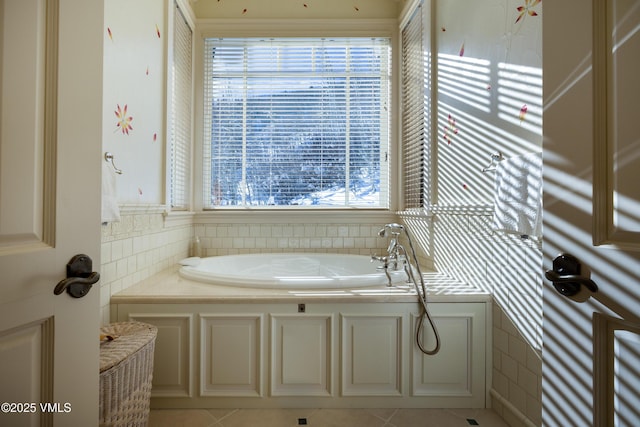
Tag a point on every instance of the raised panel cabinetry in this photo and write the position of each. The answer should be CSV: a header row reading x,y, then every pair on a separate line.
x,y
331,355
371,355
230,348
173,348
301,362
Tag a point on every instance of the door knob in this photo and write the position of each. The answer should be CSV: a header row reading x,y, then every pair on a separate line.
x,y
79,279
566,277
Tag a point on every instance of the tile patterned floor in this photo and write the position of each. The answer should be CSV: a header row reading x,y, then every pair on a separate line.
x,y
324,418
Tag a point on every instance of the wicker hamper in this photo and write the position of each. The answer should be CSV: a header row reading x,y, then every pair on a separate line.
x,y
126,369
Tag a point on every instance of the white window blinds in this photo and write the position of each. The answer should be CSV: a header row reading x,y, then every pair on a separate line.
x,y
181,114
296,121
415,110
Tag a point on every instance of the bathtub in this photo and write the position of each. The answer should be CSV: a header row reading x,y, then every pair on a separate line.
x,y
290,271
228,343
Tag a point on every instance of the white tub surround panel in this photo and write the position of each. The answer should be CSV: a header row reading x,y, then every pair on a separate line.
x,y
267,348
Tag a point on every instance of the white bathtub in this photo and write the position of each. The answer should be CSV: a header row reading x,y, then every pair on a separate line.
x,y
290,346
290,270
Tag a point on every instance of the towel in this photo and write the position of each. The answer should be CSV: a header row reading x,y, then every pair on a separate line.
x,y
110,209
518,195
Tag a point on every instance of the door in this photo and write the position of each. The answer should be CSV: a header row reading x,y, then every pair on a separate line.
x,y
50,143
591,346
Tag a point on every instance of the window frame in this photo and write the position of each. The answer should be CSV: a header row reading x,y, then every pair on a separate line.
x,y
265,54
282,28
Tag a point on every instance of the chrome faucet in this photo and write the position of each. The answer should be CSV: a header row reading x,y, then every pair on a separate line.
x,y
395,251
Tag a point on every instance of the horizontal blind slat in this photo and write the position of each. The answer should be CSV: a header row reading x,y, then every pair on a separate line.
x,y
180,136
286,119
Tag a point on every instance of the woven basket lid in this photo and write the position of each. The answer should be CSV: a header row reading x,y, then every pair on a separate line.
x,y
128,337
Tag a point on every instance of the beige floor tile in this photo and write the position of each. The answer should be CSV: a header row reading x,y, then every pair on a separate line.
x,y
383,413
181,418
379,417
220,414
484,417
266,417
422,417
344,418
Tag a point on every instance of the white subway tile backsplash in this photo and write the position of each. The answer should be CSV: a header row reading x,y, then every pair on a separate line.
x,y
121,268
501,340
464,246
518,349
527,380
108,273
509,368
298,231
241,231
116,250
518,397
135,248
127,248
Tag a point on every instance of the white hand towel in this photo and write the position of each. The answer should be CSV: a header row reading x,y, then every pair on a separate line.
x,y
518,195
110,209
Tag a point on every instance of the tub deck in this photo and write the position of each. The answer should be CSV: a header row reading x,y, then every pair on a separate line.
x,y
168,287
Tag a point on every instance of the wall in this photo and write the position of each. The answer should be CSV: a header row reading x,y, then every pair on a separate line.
x,y
297,9
489,67
225,234
145,241
134,96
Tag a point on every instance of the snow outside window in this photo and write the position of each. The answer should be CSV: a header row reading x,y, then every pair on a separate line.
x,y
296,122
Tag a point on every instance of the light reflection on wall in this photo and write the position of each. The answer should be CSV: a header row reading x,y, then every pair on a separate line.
x,y
479,112
482,109
519,88
465,79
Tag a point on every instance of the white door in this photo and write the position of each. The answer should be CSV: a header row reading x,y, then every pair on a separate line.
x,y
50,143
591,346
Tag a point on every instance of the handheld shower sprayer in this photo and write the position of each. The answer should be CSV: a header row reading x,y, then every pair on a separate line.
x,y
394,230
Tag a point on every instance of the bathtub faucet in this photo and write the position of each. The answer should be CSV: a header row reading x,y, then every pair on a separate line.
x,y
396,257
385,266
394,250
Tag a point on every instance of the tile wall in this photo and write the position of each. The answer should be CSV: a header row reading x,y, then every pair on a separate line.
x,y
142,244
238,238
462,244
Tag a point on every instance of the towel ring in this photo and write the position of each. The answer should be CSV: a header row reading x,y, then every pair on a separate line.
x,y
495,158
108,157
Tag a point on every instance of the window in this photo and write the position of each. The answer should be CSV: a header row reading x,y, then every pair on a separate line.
x,y
180,121
296,122
416,88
